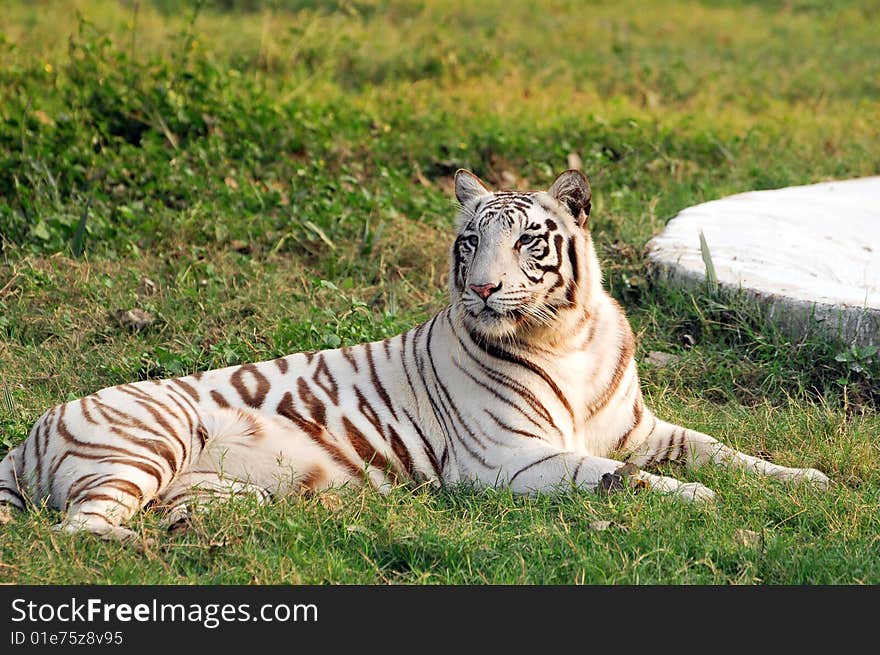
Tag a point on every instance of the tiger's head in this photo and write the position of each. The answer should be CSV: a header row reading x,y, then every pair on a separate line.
x,y
522,265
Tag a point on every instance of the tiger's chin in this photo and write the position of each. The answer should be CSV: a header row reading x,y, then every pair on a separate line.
x,y
494,326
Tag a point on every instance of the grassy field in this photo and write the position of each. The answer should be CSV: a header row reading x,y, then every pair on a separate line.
x,y
269,177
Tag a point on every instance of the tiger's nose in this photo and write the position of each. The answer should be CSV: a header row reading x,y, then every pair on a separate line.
x,y
484,290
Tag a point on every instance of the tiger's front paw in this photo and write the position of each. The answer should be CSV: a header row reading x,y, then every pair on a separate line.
x,y
692,492
812,476
633,477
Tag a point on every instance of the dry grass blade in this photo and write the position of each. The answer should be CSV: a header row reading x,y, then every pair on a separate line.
x,y
7,398
711,277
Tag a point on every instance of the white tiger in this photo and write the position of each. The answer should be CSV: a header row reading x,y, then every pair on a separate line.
x,y
525,380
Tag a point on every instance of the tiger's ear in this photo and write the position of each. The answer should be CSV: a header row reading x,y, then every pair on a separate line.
x,y
468,186
572,190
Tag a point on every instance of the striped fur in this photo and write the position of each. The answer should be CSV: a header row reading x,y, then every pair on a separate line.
x,y
526,379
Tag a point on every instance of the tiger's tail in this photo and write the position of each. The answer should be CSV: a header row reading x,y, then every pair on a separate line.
x,y
10,488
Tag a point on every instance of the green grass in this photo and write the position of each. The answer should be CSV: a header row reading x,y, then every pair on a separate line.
x,y
268,177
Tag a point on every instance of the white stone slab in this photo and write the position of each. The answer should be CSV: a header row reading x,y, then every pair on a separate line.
x,y
810,254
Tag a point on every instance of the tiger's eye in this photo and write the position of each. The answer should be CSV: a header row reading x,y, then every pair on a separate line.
x,y
525,240
472,240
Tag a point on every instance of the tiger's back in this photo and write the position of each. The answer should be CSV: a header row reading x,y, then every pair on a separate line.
x,y
302,422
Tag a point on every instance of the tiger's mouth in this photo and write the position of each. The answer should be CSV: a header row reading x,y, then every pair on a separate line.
x,y
494,324
515,314
489,313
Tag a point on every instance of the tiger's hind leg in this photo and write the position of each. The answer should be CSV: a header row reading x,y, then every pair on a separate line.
x,y
195,491
230,458
667,441
247,454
